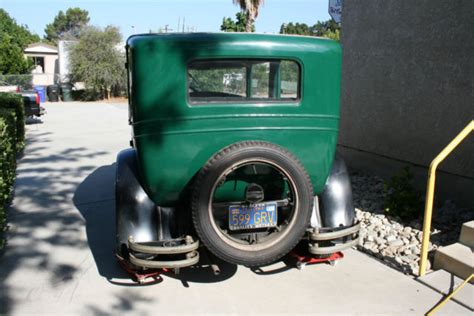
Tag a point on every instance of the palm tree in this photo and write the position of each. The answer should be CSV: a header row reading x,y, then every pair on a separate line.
x,y
251,10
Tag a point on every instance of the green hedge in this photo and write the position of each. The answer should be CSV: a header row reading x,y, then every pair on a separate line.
x,y
8,135
12,141
15,101
3,185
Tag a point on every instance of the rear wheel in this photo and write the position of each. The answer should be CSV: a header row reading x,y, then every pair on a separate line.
x,y
251,203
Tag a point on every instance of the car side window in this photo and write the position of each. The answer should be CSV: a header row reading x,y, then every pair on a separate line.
x,y
243,81
290,74
261,80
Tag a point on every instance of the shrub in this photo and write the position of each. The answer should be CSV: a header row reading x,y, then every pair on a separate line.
x,y
25,82
402,199
15,101
86,95
8,152
3,185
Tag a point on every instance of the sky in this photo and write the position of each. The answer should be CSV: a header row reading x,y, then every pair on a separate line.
x,y
141,16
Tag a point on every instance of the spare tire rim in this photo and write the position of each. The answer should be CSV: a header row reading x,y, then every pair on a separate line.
x,y
263,238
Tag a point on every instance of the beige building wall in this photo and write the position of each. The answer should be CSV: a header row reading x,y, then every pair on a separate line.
x,y
47,77
46,59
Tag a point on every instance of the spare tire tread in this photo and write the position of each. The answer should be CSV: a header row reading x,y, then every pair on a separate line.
x,y
304,212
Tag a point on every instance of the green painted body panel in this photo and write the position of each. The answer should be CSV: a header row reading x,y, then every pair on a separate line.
x,y
175,138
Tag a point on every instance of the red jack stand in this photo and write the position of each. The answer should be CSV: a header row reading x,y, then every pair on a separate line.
x,y
141,276
302,261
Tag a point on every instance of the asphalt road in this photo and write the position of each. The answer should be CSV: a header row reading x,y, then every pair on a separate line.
x,y
59,256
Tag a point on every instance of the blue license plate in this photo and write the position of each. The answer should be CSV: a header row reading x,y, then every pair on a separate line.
x,y
252,216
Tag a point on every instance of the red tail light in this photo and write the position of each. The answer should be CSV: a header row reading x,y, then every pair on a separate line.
x,y
18,89
37,100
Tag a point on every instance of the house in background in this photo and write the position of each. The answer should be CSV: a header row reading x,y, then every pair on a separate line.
x,y
45,59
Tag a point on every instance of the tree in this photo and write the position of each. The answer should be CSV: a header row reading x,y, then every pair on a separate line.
x,y
66,25
20,34
13,39
336,35
328,29
96,61
229,25
297,28
12,60
250,7
325,28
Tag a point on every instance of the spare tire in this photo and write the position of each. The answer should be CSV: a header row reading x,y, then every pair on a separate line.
x,y
224,183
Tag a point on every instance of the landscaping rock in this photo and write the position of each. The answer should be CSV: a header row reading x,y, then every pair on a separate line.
x,y
396,243
388,238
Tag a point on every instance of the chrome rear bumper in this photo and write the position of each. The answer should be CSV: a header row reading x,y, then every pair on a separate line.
x,y
179,253
328,242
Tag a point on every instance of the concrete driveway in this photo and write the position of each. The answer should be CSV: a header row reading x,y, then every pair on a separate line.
x,y
59,256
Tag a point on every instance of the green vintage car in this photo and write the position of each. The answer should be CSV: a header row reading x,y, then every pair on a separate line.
x,y
234,146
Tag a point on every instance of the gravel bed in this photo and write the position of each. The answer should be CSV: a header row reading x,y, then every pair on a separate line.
x,y
389,239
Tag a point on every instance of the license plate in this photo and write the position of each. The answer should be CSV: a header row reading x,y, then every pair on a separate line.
x,y
252,216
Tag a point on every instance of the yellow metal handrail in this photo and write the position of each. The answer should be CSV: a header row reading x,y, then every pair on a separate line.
x,y
430,192
447,298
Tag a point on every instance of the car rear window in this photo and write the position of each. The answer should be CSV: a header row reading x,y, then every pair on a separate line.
x,y
244,81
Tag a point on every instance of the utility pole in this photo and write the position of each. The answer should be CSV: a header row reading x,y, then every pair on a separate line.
x,y
184,19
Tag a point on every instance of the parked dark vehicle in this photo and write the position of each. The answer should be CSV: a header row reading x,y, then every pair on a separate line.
x,y
32,104
31,99
234,145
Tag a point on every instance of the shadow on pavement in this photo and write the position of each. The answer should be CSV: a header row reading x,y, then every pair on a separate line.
x,y
40,220
95,200
203,273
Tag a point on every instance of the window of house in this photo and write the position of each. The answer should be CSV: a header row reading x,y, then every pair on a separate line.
x,y
39,64
243,81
